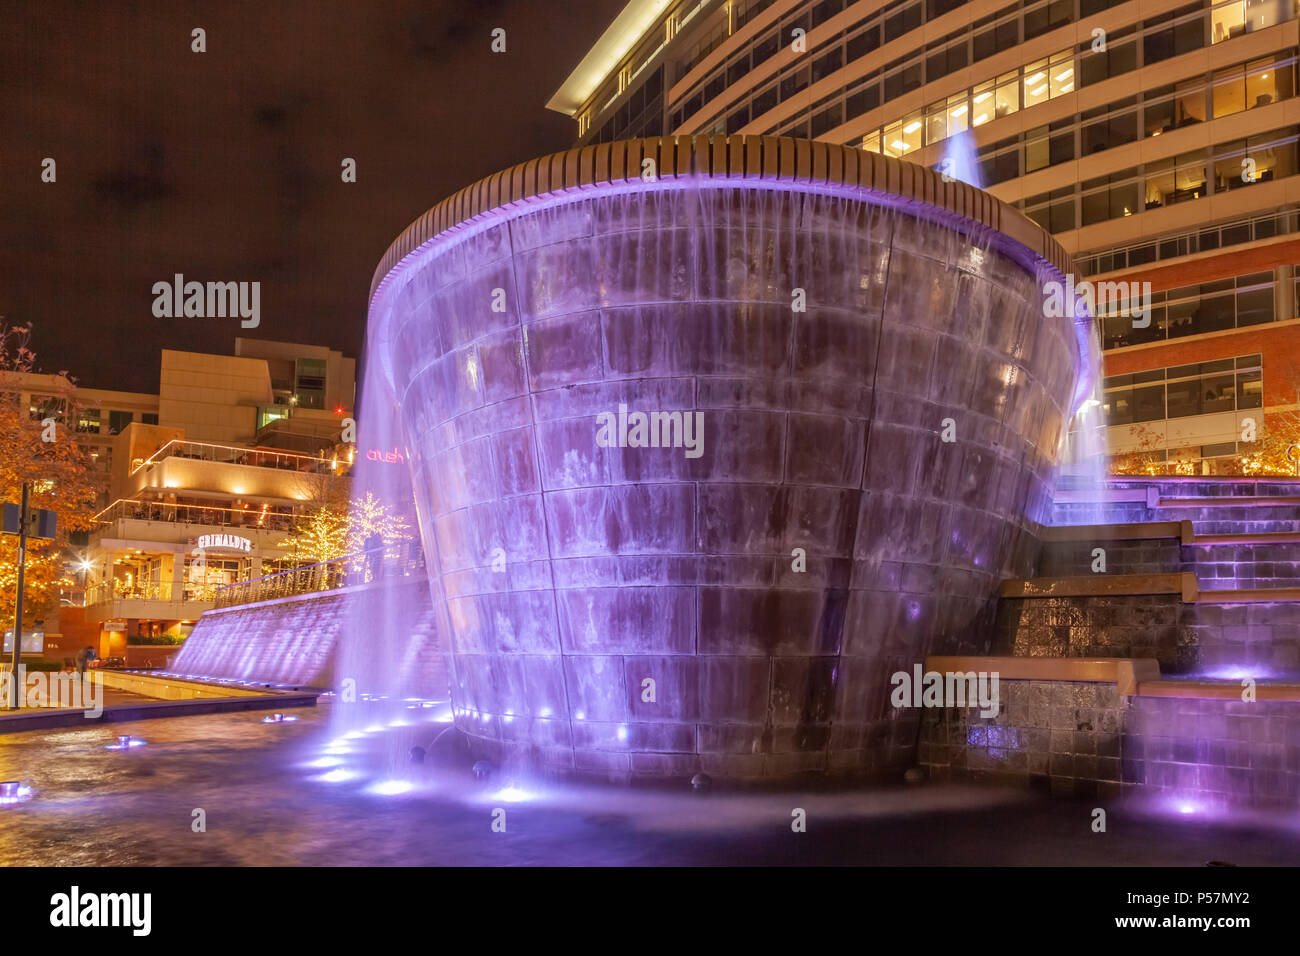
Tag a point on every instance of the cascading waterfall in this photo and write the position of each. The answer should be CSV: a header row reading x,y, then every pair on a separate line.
x,y
961,159
825,336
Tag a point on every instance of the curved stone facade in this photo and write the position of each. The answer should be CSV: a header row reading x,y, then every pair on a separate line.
x,y
877,402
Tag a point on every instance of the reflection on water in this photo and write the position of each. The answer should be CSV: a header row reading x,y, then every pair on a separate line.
x,y
292,793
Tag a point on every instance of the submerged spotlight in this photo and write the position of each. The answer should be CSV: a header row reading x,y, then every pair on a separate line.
x,y
324,763
125,742
278,719
512,794
337,776
13,791
390,788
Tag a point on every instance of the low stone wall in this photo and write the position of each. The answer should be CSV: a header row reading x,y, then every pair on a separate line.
x,y
1217,566
165,688
1087,739
1229,640
1145,556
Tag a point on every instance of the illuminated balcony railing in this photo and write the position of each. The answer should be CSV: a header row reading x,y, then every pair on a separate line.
x,y
236,455
252,519
107,592
363,567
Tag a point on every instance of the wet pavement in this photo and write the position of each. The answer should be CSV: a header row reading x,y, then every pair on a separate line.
x,y
298,793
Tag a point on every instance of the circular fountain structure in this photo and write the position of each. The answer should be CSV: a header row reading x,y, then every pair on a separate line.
x,y
711,437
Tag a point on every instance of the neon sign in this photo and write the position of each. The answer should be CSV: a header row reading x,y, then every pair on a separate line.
x,y
223,542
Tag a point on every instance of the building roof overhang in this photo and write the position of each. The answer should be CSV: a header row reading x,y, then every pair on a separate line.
x,y
604,57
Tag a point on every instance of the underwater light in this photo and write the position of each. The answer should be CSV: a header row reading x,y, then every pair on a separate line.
x,y
337,776
324,763
278,719
512,794
13,791
390,788
125,742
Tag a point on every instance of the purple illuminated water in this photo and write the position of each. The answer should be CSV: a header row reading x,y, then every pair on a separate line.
x,y
961,159
620,566
623,611
283,795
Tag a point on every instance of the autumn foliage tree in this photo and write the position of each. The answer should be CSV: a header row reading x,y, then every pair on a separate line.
x,y
1266,442
42,453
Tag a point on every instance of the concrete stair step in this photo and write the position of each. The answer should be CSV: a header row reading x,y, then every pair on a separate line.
x,y
1229,501
1136,676
1248,596
1182,583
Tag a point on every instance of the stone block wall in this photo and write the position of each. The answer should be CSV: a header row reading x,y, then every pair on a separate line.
x,y
1087,740
1212,640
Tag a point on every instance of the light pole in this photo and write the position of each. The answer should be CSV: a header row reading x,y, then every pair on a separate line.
x,y
18,602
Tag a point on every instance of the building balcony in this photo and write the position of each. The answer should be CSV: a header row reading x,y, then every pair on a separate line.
x,y
249,474
133,520
151,601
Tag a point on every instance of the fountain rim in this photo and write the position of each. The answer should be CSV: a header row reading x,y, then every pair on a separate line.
x,y
766,159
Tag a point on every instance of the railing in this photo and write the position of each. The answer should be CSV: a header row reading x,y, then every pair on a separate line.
x,y
235,455
249,518
363,567
107,591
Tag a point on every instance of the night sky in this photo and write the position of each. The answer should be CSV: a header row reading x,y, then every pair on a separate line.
x,y
225,165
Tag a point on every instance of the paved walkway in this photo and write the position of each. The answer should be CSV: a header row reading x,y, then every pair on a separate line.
x,y
108,697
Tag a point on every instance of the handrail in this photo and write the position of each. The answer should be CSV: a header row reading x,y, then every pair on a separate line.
x,y
306,567
238,455
360,567
134,509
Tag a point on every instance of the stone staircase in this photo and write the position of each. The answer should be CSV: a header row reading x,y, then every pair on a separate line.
x,y
1130,680
1233,534
1201,575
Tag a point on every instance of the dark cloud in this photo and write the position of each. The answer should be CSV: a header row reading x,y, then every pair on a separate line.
x,y
225,164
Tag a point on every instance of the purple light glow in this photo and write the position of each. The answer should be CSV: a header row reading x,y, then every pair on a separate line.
x,y
513,794
339,775
390,788
679,282
17,793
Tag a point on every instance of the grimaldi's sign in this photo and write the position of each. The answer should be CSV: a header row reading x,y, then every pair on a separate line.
x,y
223,542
